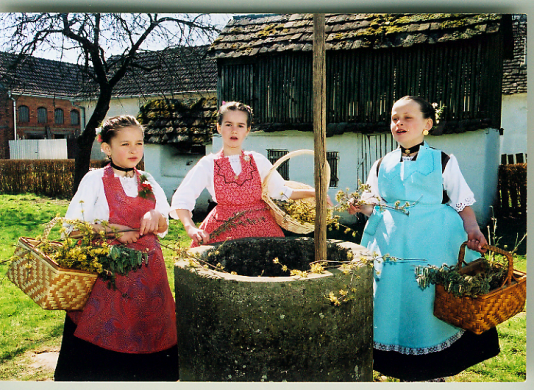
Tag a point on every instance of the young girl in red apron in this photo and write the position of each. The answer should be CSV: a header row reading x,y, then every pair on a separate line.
x,y
127,333
234,180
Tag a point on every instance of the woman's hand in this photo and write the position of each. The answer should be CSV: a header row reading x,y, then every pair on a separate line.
x,y
198,236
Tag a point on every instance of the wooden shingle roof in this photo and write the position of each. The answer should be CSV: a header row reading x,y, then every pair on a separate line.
x,y
171,121
250,35
514,78
39,77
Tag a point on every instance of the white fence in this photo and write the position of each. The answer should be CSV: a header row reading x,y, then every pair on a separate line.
x,y
38,149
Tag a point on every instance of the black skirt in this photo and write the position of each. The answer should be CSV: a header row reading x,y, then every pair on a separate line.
x,y
80,360
467,351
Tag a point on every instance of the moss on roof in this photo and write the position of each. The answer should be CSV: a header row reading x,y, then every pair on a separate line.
x,y
293,32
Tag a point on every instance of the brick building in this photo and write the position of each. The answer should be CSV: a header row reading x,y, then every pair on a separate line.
x,y
36,100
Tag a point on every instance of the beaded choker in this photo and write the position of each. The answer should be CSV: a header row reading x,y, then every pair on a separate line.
x,y
120,168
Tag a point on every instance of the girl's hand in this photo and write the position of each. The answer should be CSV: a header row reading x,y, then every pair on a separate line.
x,y
128,237
476,240
360,208
198,236
150,222
329,201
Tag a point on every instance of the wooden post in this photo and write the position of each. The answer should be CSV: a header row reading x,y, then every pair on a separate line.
x,y
319,130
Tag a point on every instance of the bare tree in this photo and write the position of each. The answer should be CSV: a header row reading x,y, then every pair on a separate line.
x,y
95,37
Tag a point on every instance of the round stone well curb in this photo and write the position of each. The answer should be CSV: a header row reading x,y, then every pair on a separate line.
x,y
246,328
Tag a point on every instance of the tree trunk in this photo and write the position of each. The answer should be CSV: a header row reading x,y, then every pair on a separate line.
x,y
86,139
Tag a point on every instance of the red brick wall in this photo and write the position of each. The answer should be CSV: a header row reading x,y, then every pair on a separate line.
x,y
33,103
6,125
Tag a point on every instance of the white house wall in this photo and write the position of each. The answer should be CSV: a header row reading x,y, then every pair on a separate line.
x,y
514,123
169,167
477,153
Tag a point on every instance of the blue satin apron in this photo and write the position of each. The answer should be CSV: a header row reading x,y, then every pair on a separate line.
x,y
430,234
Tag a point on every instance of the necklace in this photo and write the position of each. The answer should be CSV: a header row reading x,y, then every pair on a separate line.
x,y
411,150
126,170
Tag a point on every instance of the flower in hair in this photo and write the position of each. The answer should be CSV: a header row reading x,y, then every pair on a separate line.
x,y
98,134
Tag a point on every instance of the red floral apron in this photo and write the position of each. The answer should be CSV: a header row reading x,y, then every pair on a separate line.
x,y
139,316
237,193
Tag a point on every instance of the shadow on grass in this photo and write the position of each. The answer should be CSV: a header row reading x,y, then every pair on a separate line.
x,y
28,344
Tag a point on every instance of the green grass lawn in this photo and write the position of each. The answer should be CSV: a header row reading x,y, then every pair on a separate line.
x,y
26,328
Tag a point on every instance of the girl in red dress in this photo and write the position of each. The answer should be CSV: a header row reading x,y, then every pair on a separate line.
x,y
233,178
127,333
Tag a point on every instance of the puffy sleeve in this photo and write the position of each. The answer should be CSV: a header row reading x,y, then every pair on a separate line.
x,y
196,180
459,193
277,188
89,203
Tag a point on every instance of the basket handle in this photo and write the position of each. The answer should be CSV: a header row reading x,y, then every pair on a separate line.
x,y
494,249
282,159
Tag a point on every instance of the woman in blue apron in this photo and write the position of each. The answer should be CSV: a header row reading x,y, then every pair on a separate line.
x,y
409,342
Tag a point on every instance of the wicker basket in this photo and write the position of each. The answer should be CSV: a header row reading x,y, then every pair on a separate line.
x,y
488,310
282,218
51,287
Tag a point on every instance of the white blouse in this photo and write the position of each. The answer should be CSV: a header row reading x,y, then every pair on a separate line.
x,y
459,193
90,204
201,176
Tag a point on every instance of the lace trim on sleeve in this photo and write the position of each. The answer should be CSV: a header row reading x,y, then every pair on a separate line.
x,y
462,205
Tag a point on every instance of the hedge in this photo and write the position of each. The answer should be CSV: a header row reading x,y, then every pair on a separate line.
x,y
52,178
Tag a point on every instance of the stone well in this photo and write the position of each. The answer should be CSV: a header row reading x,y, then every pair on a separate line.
x,y
273,328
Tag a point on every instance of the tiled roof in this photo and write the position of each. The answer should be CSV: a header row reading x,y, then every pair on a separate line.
x,y
514,78
39,76
175,70
168,71
190,121
250,35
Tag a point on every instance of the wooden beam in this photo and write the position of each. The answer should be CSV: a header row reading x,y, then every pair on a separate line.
x,y
319,130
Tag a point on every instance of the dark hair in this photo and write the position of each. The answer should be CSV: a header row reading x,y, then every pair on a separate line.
x,y
234,106
426,108
112,125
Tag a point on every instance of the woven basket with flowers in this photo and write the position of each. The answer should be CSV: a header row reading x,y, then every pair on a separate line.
x,y
59,275
479,295
297,216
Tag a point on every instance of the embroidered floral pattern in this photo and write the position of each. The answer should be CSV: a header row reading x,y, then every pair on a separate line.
x,y
235,195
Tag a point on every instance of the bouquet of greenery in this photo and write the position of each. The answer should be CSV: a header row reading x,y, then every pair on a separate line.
x,y
91,251
489,275
355,198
